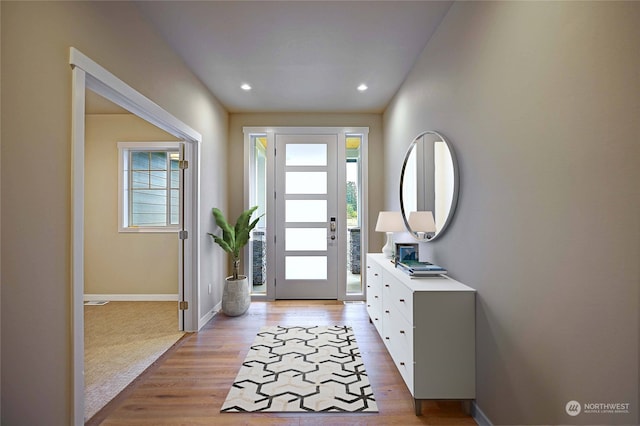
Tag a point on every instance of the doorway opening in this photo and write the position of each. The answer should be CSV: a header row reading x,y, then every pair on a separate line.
x,y
131,247
87,74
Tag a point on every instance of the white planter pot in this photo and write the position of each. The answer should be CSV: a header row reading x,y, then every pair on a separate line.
x,y
236,296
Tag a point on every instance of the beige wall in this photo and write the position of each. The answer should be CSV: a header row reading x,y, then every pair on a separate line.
x,y
236,153
36,159
541,102
117,262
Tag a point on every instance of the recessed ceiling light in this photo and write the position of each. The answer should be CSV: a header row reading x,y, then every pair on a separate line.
x,y
245,86
363,87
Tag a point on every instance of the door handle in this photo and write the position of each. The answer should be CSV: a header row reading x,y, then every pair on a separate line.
x,y
332,228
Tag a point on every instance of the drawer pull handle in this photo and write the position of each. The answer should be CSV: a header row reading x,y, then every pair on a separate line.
x,y
401,331
402,300
386,285
375,297
375,319
401,363
375,275
368,306
387,338
386,312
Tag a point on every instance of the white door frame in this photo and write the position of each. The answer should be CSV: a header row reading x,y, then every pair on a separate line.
x,y
342,133
87,74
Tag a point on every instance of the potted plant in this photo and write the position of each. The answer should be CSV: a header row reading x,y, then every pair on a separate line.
x,y
236,296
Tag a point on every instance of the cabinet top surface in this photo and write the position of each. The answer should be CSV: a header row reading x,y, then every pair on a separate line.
x,y
435,283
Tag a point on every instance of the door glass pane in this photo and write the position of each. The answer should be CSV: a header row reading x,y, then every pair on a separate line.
x,y
306,239
354,242
306,267
306,210
306,154
306,182
258,252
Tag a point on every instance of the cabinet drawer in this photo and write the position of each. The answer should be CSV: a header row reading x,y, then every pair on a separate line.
x,y
374,294
374,274
398,345
405,367
374,302
387,330
398,294
401,332
397,332
374,309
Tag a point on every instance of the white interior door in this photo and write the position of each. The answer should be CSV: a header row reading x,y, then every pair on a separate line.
x,y
307,233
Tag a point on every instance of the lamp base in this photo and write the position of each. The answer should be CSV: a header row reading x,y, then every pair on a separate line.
x,y
387,250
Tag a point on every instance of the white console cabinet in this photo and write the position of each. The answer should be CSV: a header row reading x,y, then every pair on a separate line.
x,y
428,327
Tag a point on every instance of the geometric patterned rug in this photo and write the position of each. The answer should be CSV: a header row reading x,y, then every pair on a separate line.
x,y
302,369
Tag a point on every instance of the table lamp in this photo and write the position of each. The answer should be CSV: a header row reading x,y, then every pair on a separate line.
x,y
422,224
389,222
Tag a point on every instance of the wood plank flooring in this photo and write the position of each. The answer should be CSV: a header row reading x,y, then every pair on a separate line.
x,y
190,383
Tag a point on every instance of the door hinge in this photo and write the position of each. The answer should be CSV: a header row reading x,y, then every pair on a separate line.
x,y
183,164
183,305
183,235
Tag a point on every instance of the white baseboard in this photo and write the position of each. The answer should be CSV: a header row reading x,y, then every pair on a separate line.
x,y
479,416
205,319
212,313
131,297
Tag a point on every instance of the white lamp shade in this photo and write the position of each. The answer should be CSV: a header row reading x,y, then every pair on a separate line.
x,y
422,221
390,222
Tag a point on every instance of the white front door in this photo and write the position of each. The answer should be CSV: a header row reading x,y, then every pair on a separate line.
x,y
306,216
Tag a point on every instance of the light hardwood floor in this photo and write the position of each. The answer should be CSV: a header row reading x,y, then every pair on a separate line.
x,y
190,383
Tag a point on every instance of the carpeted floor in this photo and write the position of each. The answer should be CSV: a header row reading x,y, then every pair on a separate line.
x,y
122,339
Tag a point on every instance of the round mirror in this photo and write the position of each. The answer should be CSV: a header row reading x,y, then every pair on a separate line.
x,y
428,186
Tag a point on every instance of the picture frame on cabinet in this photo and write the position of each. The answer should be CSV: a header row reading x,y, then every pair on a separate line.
x,y
406,251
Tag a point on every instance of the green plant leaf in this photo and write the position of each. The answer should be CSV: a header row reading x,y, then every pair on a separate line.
x,y
222,243
234,238
228,233
242,227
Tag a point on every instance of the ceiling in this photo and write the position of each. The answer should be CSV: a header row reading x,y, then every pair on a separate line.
x,y
306,56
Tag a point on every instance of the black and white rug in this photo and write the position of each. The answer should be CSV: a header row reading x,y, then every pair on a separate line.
x,y
302,369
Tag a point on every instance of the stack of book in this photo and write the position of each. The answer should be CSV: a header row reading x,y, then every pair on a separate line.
x,y
420,269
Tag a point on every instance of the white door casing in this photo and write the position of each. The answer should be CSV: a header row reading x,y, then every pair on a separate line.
x,y
341,133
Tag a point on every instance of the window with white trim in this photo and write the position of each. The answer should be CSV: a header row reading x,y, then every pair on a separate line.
x,y
149,186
